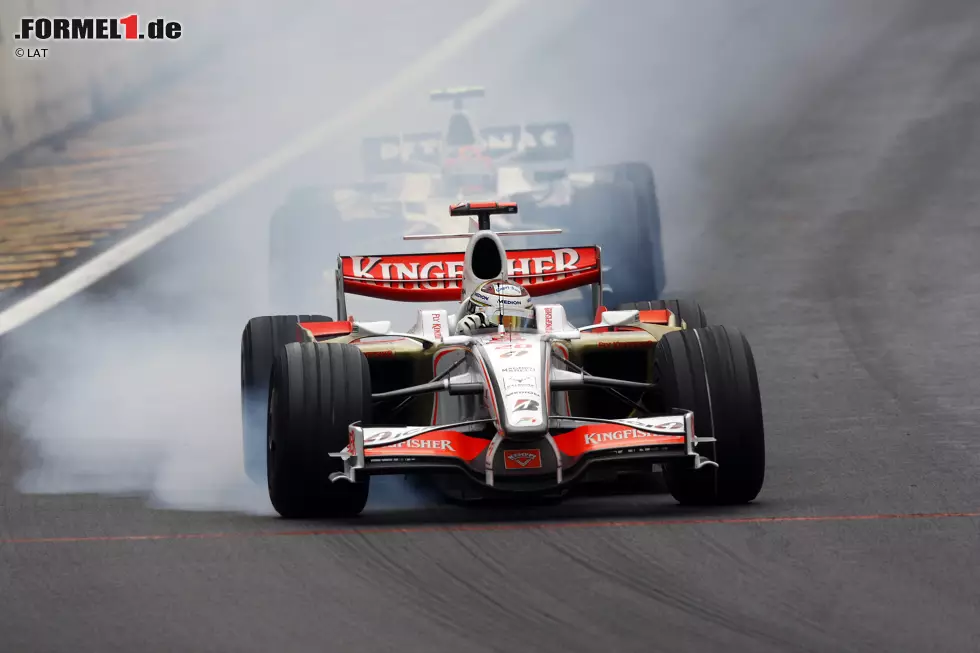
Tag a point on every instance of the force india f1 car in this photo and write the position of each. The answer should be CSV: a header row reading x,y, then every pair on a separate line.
x,y
412,177
327,404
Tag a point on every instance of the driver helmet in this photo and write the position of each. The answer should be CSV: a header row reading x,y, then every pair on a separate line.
x,y
502,303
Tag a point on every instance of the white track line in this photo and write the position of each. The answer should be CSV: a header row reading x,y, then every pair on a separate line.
x,y
125,251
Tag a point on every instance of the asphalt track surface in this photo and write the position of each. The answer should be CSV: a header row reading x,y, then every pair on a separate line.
x,y
833,216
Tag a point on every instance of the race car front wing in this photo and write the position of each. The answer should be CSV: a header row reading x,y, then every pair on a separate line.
x,y
477,448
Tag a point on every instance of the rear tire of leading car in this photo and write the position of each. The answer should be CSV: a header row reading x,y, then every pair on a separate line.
x,y
688,311
711,371
648,231
317,391
261,340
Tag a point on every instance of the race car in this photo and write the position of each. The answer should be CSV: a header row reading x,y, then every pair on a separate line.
x,y
410,178
504,396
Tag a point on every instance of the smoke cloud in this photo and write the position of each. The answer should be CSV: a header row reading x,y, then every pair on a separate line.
x,y
133,388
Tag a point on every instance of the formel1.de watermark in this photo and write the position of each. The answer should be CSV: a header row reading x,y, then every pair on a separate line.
x,y
126,28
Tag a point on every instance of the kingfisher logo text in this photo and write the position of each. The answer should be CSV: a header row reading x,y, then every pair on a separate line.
x,y
127,28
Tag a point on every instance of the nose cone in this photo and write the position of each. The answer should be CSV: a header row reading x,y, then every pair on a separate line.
x,y
519,364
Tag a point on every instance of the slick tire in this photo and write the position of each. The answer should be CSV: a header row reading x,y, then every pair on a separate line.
x,y
261,340
711,371
301,235
686,310
650,254
608,214
317,390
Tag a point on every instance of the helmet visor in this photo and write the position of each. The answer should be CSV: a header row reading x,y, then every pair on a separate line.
x,y
511,321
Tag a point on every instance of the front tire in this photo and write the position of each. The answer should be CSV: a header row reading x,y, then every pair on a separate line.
x,y
711,371
317,391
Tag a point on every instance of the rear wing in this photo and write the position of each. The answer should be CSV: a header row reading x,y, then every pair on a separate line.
x,y
438,277
532,143
457,95
397,154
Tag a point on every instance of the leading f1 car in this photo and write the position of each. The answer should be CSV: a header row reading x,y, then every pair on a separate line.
x,y
500,395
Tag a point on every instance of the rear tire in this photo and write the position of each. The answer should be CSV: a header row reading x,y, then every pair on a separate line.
x,y
690,312
649,240
711,371
262,338
607,214
317,391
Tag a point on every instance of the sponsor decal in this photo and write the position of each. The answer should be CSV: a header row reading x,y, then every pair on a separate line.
x,y
506,290
430,443
517,369
446,270
614,436
526,382
436,273
599,437
549,320
551,262
436,445
670,424
528,420
514,353
381,437
624,344
522,392
437,326
387,353
523,459
527,404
